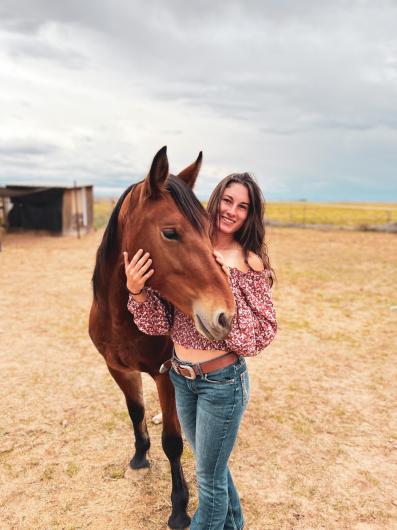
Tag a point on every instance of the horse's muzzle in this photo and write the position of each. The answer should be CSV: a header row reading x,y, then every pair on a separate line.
x,y
215,328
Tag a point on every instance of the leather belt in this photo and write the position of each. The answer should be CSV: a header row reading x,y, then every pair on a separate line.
x,y
191,371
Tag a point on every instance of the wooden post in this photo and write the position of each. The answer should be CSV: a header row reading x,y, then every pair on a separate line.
x,y
5,213
76,202
3,220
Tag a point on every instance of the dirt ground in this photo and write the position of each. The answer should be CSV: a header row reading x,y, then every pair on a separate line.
x,y
318,444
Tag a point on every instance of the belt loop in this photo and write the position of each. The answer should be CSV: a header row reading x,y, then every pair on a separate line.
x,y
200,372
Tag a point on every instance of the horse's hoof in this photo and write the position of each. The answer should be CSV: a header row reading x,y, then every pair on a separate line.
x,y
180,521
139,462
158,418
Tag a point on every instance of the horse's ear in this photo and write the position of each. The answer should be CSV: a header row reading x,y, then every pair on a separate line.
x,y
189,174
154,182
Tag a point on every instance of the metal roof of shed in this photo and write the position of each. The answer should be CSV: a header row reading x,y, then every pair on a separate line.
x,y
19,190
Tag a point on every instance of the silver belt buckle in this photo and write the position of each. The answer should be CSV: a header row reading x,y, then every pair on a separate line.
x,y
191,375
177,367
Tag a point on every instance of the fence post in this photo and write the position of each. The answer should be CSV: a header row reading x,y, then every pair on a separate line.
x,y
77,210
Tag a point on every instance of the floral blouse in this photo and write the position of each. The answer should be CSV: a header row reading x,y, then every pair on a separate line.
x,y
253,326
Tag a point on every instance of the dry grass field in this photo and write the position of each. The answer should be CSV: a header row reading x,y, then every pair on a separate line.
x,y
318,444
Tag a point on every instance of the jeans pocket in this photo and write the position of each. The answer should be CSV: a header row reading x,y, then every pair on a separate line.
x,y
218,381
245,387
224,376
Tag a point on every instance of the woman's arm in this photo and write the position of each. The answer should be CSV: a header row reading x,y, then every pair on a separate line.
x,y
254,325
153,316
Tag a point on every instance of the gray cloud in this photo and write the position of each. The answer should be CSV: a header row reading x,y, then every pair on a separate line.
x,y
26,148
42,50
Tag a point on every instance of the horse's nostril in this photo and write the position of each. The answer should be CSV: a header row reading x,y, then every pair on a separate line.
x,y
222,320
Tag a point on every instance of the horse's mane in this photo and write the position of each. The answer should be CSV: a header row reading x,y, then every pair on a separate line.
x,y
106,248
186,202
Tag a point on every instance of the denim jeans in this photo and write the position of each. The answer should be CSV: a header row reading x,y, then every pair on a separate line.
x,y
210,409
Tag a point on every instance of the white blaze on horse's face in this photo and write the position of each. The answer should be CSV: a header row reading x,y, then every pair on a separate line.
x,y
167,221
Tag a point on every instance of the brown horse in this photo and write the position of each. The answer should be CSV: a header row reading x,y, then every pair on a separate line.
x,y
162,216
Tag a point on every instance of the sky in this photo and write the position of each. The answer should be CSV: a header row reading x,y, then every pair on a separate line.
x,y
302,94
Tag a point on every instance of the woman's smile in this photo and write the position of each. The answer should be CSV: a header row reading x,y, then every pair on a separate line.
x,y
227,220
233,208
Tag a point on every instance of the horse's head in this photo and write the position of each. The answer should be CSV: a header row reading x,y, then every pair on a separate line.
x,y
162,216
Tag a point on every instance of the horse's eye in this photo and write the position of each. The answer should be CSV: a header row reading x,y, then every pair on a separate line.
x,y
170,233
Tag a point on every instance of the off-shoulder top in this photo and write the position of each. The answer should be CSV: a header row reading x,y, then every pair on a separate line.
x,y
253,326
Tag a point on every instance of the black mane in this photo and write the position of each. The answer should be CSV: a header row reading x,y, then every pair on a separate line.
x,y
186,202
106,248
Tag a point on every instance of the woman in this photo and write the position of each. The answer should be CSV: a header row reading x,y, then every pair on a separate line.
x,y
210,377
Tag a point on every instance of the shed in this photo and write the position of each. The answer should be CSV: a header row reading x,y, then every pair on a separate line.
x,y
61,210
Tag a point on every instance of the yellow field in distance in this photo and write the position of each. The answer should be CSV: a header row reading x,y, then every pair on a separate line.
x,y
337,214
300,213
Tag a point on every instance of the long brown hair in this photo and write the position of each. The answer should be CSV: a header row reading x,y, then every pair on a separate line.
x,y
251,235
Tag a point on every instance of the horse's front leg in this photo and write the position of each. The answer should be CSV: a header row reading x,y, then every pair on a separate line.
x,y
131,385
173,447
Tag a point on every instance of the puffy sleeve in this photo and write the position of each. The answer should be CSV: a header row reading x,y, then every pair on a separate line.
x,y
154,315
254,324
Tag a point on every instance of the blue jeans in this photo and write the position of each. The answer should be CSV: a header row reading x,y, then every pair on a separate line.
x,y
210,409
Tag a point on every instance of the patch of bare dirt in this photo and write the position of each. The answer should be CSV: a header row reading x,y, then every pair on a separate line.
x,y
317,447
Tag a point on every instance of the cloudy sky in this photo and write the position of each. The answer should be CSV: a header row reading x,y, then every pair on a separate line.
x,y
302,93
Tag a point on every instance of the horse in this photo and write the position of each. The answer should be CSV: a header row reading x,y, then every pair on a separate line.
x,y
161,215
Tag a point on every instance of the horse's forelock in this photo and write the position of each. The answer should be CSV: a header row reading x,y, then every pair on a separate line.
x,y
184,198
187,202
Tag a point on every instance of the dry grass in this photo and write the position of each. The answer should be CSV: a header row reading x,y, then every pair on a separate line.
x,y
318,444
102,210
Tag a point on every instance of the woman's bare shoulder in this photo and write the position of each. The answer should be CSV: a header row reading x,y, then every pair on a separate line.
x,y
255,262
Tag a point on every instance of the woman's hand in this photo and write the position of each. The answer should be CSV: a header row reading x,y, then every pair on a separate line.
x,y
220,260
137,271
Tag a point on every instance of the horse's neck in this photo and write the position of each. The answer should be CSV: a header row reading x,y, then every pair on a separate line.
x,y
115,273
112,275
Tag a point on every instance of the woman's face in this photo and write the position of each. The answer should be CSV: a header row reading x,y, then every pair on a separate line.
x,y
233,208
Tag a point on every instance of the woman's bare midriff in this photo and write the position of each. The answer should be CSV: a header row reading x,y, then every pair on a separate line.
x,y
196,356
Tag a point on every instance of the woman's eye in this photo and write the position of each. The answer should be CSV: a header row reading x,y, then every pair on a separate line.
x,y
170,233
